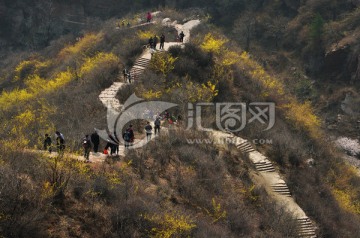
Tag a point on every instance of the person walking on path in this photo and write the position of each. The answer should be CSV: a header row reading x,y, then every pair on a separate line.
x,y
128,137
95,140
162,41
181,36
151,42
129,77
60,142
148,130
148,17
87,147
157,125
156,39
125,73
111,144
47,143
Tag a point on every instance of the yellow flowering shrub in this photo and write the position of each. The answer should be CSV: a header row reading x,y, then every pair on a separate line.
x,y
162,63
101,62
170,225
83,46
212,44
302,115
35,86
143,35
28,67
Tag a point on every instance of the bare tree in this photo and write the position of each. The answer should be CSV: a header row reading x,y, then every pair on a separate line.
x,y
244,28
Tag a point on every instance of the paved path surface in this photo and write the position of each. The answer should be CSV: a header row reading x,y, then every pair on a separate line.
x,y
272,182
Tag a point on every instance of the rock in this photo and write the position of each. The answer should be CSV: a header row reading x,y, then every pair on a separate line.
x,y
166,22
310,162
336,60
350,105
331,127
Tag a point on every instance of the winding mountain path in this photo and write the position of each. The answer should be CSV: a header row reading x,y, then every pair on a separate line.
x,y
266,175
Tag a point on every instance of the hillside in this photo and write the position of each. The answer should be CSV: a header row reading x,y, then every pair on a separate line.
x,y
299,56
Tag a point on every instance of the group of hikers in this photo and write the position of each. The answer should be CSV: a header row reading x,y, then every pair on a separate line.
x,y
152,42
92,141
60,142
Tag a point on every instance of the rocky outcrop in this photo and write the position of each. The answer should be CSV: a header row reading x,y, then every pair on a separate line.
x,y
336,61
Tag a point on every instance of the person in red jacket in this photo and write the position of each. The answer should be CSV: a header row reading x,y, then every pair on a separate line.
x,y
148,17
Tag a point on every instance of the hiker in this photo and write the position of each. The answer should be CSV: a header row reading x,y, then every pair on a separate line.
x,y
47,143
148,130
125,73
162,41
181,36
112,147
95,139
151,42
87,147
179,120
60,141
157,123
166,115
155,41
129,77
112,144
128,136
148,17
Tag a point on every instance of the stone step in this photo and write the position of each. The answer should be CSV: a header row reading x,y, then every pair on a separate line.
x,y
244,146
248,150
140,65
305,227
266,170
260,164
137,68
143,59
307,234
264,167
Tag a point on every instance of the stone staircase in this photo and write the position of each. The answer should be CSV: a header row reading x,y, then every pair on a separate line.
x,y
281,188
264,166
139,67
108,96
245,147
306,228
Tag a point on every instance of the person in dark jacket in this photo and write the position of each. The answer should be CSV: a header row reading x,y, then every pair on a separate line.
x,y
47,143
148,130
151,42
156,39
157,124
60,142
95,139
87,147
181,36
162,41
